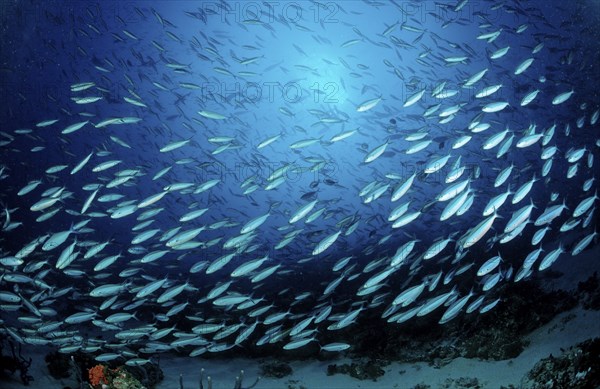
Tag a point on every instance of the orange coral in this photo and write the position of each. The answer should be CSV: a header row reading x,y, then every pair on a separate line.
x,y
96,375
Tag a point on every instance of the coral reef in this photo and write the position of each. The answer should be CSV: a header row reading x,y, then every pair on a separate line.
x,y
124,380
96,375
577,368
87,371
103,377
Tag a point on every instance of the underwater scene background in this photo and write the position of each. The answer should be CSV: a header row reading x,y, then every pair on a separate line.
x,y
342,181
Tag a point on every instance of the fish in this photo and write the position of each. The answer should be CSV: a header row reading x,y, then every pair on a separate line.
x,y
81,86
368,105
495,106
105,165
184,236
550,214
88,201
489,265
86,100
551,257
523,190
254,223
419,146
500,52
249,267
212,115
29,187
528,98
206,210
436,164
562,97
455,205
74,127
584,205
453,60
414,98
325,243
268,141
335,347
304,143
82,163
477,233
518,217
302,212
488,91
453,190
174,145
57,239
434,303
475,78
495,140
375,153
583,243
523,66
496,202
454,309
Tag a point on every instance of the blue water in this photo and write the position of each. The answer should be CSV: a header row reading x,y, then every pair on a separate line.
x,y
307,61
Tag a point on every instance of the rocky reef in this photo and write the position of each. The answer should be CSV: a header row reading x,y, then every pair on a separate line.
x,y
458,383
363,370
588,293
15,361
495,335
276,370
576,368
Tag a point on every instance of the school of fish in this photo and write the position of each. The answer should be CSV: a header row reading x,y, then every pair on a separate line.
x,y
403,204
